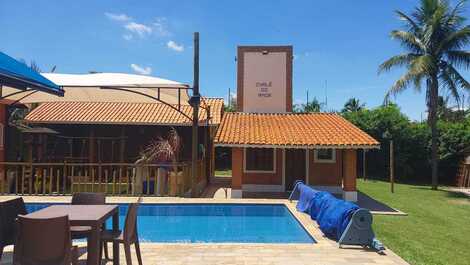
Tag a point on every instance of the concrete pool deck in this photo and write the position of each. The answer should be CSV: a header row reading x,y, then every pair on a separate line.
x,y
324,252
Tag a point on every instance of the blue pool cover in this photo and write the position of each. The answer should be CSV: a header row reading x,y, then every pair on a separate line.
x,y
332,214
237,223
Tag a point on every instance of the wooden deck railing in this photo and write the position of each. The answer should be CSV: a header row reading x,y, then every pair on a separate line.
x,y
120,179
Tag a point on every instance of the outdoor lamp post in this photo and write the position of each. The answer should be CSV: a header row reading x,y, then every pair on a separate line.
x,y
388,136
195,101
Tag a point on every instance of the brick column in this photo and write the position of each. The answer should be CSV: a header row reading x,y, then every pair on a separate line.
x,y
237,171
349,174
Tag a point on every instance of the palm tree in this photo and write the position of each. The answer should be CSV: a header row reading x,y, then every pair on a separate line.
x,y
434,38
353,105
313,106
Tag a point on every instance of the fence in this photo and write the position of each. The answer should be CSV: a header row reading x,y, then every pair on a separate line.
x,y
463,176
120,179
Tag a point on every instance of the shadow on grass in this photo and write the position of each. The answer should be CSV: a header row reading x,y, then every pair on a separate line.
x,y
365,201
449,193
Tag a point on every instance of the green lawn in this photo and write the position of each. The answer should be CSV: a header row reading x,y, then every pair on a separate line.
x,y
436,230
223,173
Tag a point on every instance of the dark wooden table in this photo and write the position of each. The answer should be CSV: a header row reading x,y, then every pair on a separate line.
x,y
87,215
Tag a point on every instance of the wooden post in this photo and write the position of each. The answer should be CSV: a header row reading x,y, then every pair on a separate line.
x,y
122,145
364,168
392,177
64,184
208,146
106,181
51,178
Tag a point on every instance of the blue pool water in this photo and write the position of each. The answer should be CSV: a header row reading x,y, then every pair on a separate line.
x,y
239,223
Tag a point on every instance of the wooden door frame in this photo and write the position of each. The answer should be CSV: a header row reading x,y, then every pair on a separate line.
x,y
307,168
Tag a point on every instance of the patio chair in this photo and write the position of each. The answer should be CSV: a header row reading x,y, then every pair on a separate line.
x,y
127,237
44,242
88,198
9,211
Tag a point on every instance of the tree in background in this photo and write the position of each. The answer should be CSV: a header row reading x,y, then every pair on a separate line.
x,y
450,113
313,106
231,104
353,105
433,38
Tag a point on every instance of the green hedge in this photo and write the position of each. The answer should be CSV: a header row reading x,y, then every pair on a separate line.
x,y
412,141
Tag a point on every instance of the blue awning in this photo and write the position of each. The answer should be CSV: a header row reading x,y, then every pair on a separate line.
x,y
19,76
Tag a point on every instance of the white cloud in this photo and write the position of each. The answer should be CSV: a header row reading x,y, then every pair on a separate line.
x,y
175,46
140,29
133,28
118,17
141,70
160,26
127,36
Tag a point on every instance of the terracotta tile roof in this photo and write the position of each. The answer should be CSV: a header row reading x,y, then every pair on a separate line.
x,y
120,113
291,130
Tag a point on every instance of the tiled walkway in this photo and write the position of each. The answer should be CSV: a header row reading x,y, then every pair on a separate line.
x,y
325,252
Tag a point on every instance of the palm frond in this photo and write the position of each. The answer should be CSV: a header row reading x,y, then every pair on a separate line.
x,y
397,61
419,69
449,84
459,58
425,11
402,83
455,40
454,17
435,29
408,40
411,24
458,79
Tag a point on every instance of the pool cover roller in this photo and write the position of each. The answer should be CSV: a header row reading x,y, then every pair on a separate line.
x,y
339,220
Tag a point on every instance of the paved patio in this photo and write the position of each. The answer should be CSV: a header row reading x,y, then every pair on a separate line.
x,y
464,191
324,252
223,190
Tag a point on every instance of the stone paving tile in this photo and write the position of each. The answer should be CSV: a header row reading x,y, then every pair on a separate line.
x,y
324,252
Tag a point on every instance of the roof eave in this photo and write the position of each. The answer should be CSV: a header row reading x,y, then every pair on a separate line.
x,y
185,124
372,146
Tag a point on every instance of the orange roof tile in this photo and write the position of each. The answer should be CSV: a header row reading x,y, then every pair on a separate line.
x,y
310,130
121,113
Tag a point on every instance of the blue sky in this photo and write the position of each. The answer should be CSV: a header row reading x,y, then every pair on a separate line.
x,y
338,41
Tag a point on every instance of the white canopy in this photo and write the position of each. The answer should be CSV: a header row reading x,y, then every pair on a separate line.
x,y
89,88
111,79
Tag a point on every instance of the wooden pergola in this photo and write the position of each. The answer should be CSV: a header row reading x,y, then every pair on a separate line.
x,y
194,102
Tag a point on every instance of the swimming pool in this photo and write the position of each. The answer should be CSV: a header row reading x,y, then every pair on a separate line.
x,y
214,223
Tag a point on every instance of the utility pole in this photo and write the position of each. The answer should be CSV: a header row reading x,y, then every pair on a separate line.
x,y
307,97
229,98
195,102
326,94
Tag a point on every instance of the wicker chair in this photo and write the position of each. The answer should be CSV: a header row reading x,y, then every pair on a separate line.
x,y
9,211
44,242
127,237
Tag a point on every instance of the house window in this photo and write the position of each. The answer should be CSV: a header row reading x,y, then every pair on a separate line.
x,y
325,156
259,159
